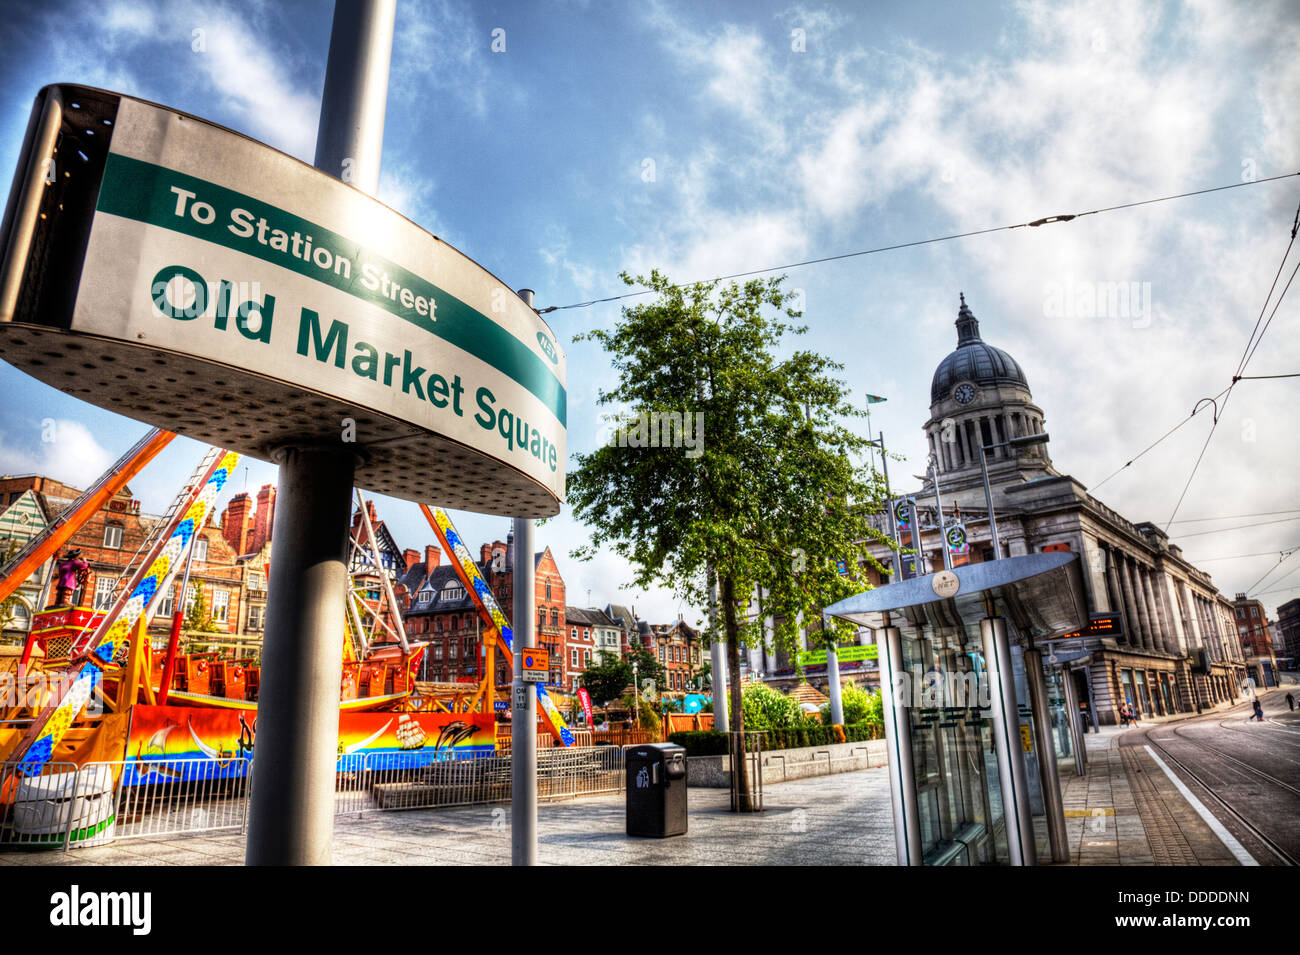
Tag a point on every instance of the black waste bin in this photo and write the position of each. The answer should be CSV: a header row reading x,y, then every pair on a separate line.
x,y
656,790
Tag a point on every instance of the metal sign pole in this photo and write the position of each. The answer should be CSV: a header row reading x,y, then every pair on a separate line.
x,y
291,819
523,696
717,658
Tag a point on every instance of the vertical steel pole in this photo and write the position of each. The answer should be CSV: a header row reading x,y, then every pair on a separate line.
x,y
523,696
898,741
717,658
988,497
1048,773
893,522
938,503
292,812
1006,740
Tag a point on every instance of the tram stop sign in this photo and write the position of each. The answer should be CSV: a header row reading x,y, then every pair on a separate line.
x,y
183,274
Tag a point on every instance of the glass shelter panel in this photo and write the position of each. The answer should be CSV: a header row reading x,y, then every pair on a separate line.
x,y
954,762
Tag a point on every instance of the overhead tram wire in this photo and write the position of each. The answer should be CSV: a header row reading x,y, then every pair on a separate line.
x,y
1262,553
1045,220
1237,517
1241,365
1238,527
1286,555
1251,345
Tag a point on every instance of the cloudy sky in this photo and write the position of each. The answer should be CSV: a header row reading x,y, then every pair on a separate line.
x,y
710,138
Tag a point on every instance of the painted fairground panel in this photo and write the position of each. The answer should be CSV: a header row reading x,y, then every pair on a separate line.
x,y
182,742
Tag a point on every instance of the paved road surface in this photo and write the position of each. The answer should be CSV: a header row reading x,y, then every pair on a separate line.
x,y
1246,773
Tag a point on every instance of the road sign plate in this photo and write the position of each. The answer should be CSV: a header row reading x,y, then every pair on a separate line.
x,y
206,283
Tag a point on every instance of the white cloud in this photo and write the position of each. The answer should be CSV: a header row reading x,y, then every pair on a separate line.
x,y
63,449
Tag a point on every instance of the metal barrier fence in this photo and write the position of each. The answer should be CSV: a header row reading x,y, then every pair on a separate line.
x,y
69,807
54,808
181,796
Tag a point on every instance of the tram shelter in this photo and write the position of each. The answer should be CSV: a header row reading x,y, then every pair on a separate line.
x,y
977,728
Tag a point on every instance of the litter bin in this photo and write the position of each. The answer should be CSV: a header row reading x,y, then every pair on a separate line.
x,y
656,790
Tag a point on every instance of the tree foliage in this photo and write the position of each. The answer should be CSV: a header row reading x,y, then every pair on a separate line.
x,y
859,704
607,679
771,496
765,709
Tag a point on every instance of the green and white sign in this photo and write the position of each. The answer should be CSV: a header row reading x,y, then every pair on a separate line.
x,y
205,244
845,655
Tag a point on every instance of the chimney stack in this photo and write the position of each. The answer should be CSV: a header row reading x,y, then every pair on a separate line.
x,y
263,525
410,557
432,555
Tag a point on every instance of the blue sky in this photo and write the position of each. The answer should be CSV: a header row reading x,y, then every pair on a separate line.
x,y
894,122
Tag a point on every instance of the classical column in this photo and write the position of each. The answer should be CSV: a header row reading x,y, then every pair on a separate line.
x,y
1136,631
1148,597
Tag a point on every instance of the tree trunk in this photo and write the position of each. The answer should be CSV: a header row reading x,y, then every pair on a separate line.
x,y
739,764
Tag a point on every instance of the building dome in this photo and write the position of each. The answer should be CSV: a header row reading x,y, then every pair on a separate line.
x,y
974,361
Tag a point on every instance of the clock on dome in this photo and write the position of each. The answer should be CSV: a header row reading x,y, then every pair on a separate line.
x,y
964,393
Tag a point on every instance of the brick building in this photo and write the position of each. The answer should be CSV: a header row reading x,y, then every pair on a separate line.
x,y
677,647
111,542
1256,642
443,613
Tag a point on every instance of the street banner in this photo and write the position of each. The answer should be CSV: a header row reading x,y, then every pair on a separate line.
x,y
585,699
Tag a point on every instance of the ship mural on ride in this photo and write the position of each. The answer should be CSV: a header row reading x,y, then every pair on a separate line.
x,y
185,742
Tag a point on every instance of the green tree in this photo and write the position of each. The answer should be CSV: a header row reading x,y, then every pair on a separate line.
x,y
857,704
766,709
648,667
198,618
766,492
606,680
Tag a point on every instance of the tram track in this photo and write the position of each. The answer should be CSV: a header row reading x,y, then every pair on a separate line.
x,y
1256,833
1234,760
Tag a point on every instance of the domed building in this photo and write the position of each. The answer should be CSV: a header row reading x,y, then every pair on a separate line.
x,y
980,398
1161,636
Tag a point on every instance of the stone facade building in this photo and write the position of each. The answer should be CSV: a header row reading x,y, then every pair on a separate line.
x,y
1161,635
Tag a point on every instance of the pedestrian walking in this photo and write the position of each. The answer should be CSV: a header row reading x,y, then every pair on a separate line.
x,y
1133,715
1259,711
1290,702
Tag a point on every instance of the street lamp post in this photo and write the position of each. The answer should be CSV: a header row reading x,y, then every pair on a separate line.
x,y
1023,441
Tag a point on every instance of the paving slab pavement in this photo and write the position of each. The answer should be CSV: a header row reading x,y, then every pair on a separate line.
x,y
844,819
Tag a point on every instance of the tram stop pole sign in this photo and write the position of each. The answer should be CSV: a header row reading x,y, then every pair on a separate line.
x,y
180,273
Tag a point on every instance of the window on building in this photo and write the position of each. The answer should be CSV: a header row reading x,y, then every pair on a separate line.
x,y
254,581
200,549
168,603
541,618
548,590
555,618
573,633
573,657
661,653
451,650
586,658
104,591
437,651
453,591
220,606
437,624
113,535
256,617
586,633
